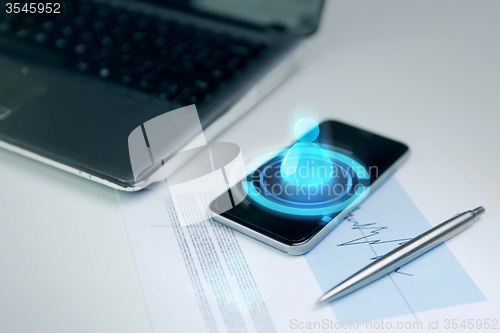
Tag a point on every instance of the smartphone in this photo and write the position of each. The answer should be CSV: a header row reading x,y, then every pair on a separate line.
x,y
296,218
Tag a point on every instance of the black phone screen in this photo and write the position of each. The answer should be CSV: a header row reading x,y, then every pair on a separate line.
x,y
377,153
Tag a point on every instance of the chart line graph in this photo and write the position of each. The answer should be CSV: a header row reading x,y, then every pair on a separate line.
x,y
373,237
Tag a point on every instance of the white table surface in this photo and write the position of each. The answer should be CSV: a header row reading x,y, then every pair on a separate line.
x,y
405,69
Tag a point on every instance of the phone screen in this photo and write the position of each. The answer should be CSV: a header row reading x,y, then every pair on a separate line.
x,y
377,153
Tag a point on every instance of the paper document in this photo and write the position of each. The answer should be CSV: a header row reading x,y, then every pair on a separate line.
x,y
206,277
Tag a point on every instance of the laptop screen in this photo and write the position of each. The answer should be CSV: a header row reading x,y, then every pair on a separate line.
x,y
298,16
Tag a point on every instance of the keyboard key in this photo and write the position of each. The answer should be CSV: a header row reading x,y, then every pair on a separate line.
x,y
103,12
203,54
87,36
143,24
80,49
160,42
41,37
127,79
67,31
205,85
60,43
83,66
80,21
126,59
138,36
188,65
180,48
148,64
163,29
125,76
22,33
190,96
106,41
104,72
255,44
167,92
235,63
49,26
119,31
123,19
101,54
146,85
126,47
85,8
218,74
99,26
239,50
4,27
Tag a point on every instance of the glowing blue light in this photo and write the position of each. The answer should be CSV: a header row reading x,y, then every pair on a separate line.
x,y
347,188
357,197
352,196
306,130
306,164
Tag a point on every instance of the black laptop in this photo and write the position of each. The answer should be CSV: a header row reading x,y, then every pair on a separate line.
x,y
73,88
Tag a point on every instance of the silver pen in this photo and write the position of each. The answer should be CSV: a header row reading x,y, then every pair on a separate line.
x,y
404,254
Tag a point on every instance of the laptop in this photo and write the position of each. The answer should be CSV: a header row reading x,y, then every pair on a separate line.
x,y
73,88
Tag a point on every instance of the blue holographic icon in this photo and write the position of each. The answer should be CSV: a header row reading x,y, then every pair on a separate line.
x,y
306,163
306,130
340,196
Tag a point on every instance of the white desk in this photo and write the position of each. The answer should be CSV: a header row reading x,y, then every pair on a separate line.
x,y
405,69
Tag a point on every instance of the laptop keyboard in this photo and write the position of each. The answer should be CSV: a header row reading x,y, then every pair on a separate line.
x,y
169,59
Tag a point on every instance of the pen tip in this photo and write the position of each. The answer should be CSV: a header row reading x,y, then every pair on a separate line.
x,y
479,210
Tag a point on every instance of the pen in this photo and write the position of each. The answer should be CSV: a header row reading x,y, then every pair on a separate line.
x,y
404,254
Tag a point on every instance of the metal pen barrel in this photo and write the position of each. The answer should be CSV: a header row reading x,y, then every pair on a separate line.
x,y
404,254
